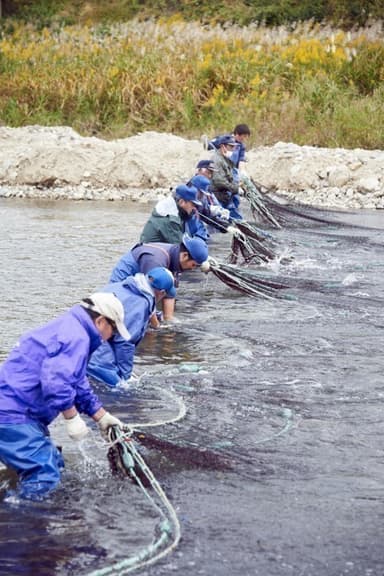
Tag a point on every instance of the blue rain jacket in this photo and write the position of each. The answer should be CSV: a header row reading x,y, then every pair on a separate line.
x,y
46,371
143,257
113,360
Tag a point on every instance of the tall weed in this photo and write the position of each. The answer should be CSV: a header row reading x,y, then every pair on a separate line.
x,y
307,83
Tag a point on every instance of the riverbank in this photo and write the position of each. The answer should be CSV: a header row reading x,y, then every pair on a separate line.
x,y
57,163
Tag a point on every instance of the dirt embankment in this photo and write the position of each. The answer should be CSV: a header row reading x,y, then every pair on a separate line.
x,y
56,162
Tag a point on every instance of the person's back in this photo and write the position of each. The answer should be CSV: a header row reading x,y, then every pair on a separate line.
x,y
164,224
38,364
174,216
112,362
144,256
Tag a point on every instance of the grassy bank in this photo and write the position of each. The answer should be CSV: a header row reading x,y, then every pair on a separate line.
x,y
308,83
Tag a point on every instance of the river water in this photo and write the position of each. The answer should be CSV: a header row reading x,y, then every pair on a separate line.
x,y
276,468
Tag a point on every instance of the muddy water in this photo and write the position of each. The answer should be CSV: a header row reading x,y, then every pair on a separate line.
x,y
277,467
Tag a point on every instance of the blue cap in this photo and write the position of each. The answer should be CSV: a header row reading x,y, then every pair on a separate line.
x,y
162,279
197,248
201,182
208,164
227,140
188,193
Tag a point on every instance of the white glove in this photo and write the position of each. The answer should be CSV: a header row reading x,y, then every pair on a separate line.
x,y
108,420
76,427
233,230
205,266
219,212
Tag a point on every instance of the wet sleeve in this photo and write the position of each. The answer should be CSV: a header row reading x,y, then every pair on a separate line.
x,y
124,350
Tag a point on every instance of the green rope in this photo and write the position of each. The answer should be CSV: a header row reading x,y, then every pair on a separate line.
x,y
132,462
169,527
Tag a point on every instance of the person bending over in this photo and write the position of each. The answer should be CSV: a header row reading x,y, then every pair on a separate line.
x,y
45,375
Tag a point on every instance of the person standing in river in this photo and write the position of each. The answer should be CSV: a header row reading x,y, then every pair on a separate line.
x,y
225,180
175,216
45,375
112,363
177,258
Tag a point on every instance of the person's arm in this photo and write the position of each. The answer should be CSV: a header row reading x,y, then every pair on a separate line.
x,y
168,308
195,227
124,354
154,321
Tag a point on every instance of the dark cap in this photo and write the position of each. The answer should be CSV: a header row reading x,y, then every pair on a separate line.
x,y
208,164
226,140
188,193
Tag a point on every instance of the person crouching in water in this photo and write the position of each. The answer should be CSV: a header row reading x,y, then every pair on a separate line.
x,y
177,258
112,363
174,216
45,375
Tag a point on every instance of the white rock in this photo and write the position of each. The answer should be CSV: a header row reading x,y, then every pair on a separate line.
x,y
368,184
338,175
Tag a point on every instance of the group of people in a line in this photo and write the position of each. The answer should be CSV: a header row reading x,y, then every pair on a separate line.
x,y
47,371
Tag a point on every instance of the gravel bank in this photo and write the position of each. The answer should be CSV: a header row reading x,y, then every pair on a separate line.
x,y
58,163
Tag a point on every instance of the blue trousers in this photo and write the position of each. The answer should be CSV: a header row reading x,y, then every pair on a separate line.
x,y
28,449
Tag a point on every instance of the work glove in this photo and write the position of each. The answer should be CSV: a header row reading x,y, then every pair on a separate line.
x,y
109,420
205,266
233,230
76,427
219,212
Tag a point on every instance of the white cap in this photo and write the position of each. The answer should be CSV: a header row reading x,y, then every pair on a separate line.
x,y
109,306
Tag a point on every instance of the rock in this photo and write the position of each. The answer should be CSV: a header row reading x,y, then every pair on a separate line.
x,y
368,185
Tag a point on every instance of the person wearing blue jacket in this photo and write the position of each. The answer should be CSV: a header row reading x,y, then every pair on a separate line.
x,y
45,375
112,363
177,258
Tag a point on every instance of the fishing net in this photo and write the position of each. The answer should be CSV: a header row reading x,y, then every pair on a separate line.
x,y
254,245
248,281
280,214
260,210
249,241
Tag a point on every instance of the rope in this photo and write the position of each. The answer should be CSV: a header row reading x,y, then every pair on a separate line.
x,y
168,526
136,468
